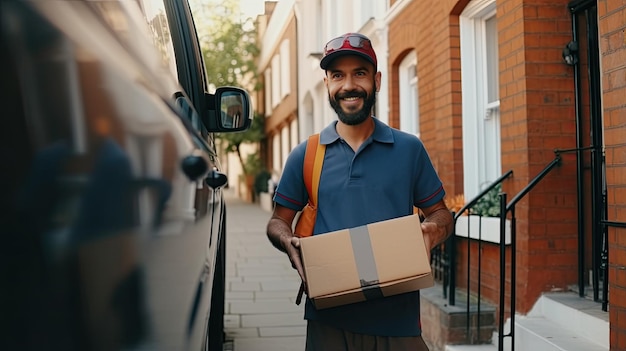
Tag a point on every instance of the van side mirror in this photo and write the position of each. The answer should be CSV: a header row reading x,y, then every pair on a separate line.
x,y
230,110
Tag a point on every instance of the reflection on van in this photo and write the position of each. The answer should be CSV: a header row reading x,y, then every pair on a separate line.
x,y
113,214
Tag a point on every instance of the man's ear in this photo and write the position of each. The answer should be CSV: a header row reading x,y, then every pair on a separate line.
x,y
377,79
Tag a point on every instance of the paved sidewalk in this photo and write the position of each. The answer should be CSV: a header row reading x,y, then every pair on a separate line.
x,y
261,288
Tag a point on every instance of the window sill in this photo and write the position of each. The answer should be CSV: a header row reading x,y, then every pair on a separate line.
x,y
489,226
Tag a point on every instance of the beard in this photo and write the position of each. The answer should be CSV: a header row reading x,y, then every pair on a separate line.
x,y
357,117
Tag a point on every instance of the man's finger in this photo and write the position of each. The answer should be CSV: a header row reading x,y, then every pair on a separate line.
x,y
298,266
295,242
293,251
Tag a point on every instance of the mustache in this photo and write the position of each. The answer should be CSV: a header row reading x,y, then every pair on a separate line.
x,y
350,94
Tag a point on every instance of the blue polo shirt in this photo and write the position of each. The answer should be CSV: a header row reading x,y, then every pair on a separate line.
x,y
384,179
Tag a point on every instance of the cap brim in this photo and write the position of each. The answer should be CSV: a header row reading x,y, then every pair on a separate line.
x,y
326,60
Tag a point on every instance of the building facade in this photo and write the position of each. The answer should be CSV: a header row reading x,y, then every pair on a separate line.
x,y
278,69
528,87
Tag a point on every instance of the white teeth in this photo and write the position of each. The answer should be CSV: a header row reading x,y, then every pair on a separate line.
x,y
351,98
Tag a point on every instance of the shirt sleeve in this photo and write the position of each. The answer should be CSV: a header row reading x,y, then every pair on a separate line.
x,y
428,187
291,191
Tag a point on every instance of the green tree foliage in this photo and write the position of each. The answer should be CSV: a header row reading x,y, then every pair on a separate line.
x,y
229,43
232,143
229,47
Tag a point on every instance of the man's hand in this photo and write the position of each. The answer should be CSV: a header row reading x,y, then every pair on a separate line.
x,y
281,236
437,225
291,245
429,230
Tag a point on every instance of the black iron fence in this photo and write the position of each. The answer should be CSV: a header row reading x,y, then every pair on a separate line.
x,y
445,265
444,257
505,209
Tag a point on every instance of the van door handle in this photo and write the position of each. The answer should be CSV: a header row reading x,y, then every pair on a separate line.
x,y
195,166
216,179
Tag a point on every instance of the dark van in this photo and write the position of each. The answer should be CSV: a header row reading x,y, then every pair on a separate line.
x,y
112,210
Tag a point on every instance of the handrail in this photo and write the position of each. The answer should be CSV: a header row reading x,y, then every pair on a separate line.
x,y
614,224
482,193
605,281
452,264
451,245
534,182
504,209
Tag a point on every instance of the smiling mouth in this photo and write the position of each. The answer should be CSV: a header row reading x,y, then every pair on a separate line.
x,y
351,102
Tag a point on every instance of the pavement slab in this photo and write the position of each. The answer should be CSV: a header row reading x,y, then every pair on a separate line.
x,y
261,285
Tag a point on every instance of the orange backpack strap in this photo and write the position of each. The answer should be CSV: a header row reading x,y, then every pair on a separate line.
x,y
312,169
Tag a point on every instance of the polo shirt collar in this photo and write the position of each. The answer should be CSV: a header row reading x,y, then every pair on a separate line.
x,y
382,133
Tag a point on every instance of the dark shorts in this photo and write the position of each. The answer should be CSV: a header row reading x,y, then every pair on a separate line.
x,y
321,337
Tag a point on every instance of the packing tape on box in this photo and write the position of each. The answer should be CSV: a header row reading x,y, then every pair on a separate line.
x,y
365,262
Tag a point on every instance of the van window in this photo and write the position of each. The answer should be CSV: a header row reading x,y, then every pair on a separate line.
x,y
154,12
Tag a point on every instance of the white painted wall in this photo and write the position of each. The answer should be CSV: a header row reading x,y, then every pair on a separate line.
x,y
317,22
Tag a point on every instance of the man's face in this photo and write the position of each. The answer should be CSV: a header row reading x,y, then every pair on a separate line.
x,y
352,83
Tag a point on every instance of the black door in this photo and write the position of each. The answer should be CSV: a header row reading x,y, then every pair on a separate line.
x,y
583,54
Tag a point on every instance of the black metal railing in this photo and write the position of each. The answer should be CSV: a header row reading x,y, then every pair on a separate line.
x,y
605,261
444,260
445,265
504,210
466,210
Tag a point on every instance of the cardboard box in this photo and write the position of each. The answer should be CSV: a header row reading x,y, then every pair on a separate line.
x,y
381,259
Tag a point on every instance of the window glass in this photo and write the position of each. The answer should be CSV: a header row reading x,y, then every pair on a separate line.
x,y
285,69
480,111
276,97
409,97
268,91
154,12
143,40
491,45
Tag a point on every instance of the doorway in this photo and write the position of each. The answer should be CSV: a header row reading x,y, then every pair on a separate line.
x,y
584,55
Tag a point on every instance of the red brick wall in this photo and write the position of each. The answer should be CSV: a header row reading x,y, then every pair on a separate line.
x,y
612,23
425,26
547,251
537,116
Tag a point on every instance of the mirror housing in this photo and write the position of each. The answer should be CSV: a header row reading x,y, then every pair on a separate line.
x,y
230,110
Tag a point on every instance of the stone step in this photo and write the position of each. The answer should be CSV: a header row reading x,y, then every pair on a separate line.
x,y
538,333
488,347
557,322
581,317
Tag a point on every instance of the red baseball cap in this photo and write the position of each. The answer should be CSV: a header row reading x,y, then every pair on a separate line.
x,y
349,44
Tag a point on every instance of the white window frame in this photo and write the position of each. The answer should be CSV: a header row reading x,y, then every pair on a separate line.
x,y
276,81
285,69
409,94
277,163
285,147
481,118
294,134
268,91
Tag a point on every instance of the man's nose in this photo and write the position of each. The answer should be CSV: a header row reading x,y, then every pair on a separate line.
x,y
348,83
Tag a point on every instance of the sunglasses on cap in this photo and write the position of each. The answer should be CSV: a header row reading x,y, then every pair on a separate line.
x,y
349,43
354,41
